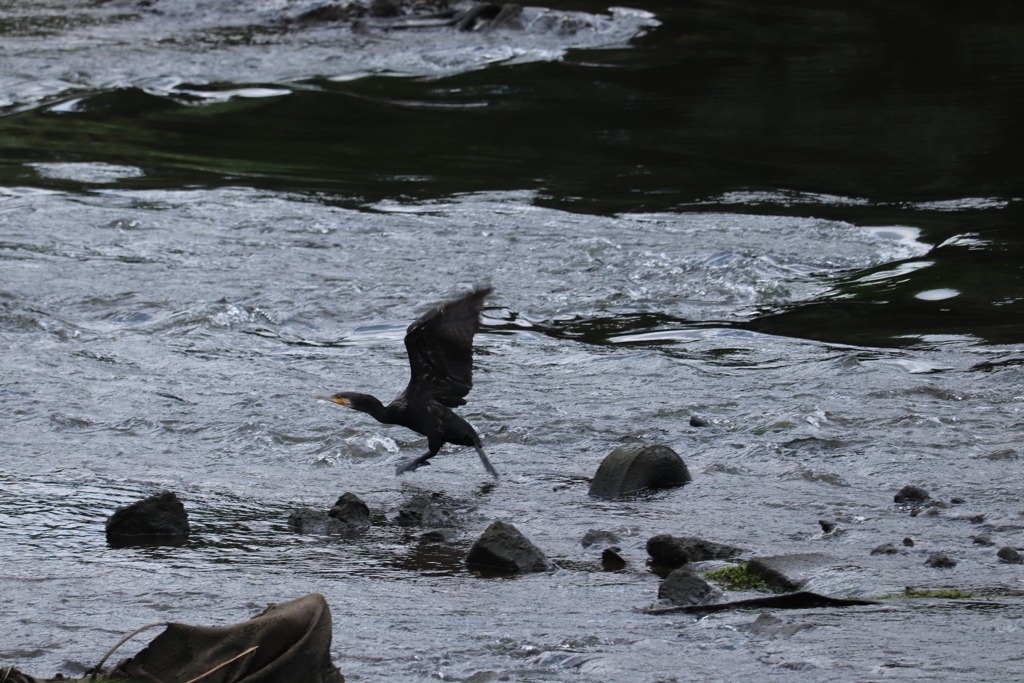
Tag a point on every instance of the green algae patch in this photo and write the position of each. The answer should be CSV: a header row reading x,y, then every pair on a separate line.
x,y
737,577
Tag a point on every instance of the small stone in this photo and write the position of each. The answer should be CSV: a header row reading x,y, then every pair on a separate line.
x,y
161,516
698,421
504,548
686,588
352,511
911,495
1010,555
423,510
940,561
984,539
887,549
909,542
827,526
599,537
611,561
957,501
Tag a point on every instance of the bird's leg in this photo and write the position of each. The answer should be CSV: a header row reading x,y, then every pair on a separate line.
x,y
419,462
414,464
483,458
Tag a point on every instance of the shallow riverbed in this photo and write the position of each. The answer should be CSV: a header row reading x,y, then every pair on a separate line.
x,y
181,276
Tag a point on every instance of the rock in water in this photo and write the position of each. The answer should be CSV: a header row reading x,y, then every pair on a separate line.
x,y
911,495
504,548
1010,555
789,572
686,588
634,468
159,518
940,561
350,509
675,551
349,517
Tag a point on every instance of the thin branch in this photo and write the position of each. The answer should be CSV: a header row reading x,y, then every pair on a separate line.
x,y
221,666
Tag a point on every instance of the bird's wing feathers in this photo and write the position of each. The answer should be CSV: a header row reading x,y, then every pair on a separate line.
x,y
440,346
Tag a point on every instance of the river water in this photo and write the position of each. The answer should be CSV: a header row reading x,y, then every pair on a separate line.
x,y
798,222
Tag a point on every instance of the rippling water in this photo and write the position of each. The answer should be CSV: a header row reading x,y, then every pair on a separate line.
x,y
773,218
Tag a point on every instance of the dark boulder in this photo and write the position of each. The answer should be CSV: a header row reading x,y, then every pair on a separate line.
x,y
599,538
888,549
503,548
635,468
611,561
352,511
911,495
157,519
789,572
827,525
940,561
1010,555
422,509
349,517
686,588
675,551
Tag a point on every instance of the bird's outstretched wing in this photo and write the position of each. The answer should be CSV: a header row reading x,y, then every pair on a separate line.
x,y
440,346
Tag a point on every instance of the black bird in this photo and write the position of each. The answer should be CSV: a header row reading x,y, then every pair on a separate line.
x,y
440,347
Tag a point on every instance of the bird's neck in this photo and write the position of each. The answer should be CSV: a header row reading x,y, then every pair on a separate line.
x,y
372,407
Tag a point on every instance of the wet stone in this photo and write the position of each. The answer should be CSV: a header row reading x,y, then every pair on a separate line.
x,y
984,539
159,517
349,517
771,626
635,468
599,538
789,572
424,510
675,551
940,561
352,511
686,588
911,495
827,526
504,548
611,561
908,542
887,549
1010,555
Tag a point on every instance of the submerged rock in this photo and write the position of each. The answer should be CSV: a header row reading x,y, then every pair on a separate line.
x,y
911,495
423,510
686,588
940,561
599,537
504,548
1010,555
888,549
352,511
159,518
635,468
349,517
789,572
611,561
675,551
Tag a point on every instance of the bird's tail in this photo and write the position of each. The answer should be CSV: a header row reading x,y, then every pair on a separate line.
x,y
487,463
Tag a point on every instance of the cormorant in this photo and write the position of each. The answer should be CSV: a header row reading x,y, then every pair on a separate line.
x,y
440,347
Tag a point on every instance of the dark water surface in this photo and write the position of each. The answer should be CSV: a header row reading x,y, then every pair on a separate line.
x,y
797,220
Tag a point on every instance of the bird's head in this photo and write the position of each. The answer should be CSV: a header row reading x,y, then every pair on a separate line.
x,y
345,398
351,399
